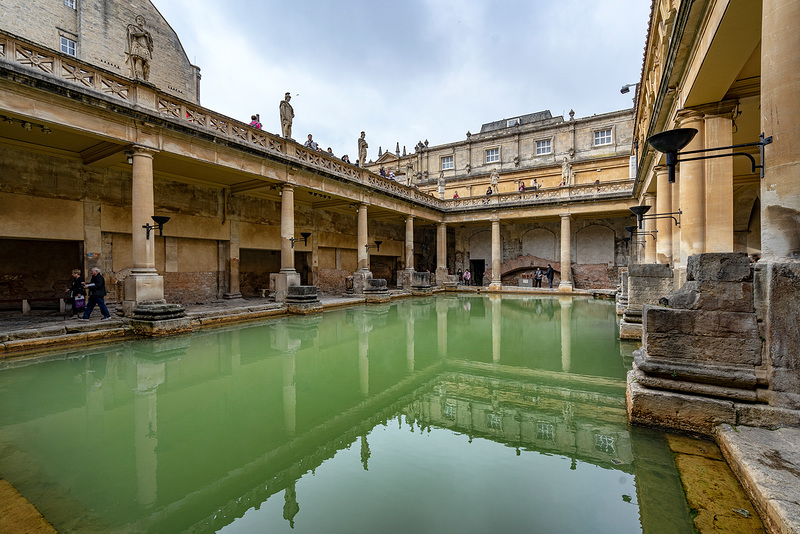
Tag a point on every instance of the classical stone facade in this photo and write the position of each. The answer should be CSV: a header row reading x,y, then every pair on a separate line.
x,y
724,346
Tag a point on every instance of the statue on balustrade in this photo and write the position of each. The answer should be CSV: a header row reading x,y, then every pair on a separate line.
x,y
495,179
287,114
566,173
139,49
362,150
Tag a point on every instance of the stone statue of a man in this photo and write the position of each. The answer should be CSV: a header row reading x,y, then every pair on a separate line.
x,y
566,172
362,150
495,179
287,114
139,49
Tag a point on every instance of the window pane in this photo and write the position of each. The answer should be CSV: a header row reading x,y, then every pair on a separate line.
x,y
492,155
447,162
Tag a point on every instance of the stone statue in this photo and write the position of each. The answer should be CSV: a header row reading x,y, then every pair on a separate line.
x,y
495,179
362,149
468,168
287,114
441,179
566,172
139,49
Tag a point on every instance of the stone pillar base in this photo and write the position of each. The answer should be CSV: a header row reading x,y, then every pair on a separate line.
x,y
361,281
150,319
284,280
441,276
142,288
495,286
236,295
565,286
406,278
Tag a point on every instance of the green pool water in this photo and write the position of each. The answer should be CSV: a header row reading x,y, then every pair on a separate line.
x,y
445,414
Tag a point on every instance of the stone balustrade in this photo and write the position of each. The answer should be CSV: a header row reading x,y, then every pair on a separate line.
x,y
51,63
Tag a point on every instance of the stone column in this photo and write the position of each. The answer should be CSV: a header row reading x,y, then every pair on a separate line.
x,y
566,252
410,356
287,276
409,246
363,255
780,118
143,285
441,254
149,375
778,271
650,228
363,362
287,228
234,291
441,326
497,258
289,393
663,226
692,192
719,182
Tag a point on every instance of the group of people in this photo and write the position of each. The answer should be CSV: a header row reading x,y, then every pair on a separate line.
x,y
538,275
464,278
96,289
390,175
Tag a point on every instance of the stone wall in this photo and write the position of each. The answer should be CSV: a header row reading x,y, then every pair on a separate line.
x,y
647,283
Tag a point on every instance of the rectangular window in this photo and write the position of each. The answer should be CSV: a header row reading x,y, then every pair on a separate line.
x,y
493,155
450,410
447,162
70,3
512,122
543,147
493,421
68,46
602,137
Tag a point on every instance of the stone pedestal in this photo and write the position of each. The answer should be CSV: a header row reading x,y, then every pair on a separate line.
x,y
159,319
283,281
376,290
142,288
701,360
361,281
646,285
421,283
302,300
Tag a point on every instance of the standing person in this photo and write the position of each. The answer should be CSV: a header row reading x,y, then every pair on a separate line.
x,y
550,274
97,294
310,143
254,121
537,278
76,290
467,277
287,114
460,277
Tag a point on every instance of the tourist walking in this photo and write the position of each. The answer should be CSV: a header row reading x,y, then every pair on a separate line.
x,y
97,294
550,273
77,295
537,278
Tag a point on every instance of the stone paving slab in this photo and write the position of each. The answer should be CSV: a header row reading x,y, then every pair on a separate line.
x,y
767,463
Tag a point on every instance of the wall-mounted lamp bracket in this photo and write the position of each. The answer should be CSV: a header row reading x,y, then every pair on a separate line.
x,y
159,220
305,235
376,246
639,212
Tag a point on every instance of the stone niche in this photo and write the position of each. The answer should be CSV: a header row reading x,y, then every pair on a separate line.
x,y
700,364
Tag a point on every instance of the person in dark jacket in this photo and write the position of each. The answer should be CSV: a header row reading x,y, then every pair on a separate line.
x,y
550,273
97,293
76,289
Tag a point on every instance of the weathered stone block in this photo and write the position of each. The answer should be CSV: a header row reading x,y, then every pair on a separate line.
x,y
781,282
699,322
719,267
709,349
669,409
649,270
694,295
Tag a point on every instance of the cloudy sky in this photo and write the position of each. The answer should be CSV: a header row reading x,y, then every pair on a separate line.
x,y
411,70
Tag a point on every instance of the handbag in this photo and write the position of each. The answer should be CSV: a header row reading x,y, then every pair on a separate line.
x,y
80,302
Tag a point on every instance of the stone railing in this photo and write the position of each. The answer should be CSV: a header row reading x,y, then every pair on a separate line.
x,y
616,189
68,69
49,62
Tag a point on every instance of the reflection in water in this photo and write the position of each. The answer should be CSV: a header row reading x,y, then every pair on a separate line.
x,y
395,417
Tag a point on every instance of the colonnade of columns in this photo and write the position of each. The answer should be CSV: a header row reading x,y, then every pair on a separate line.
x,y
145,285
